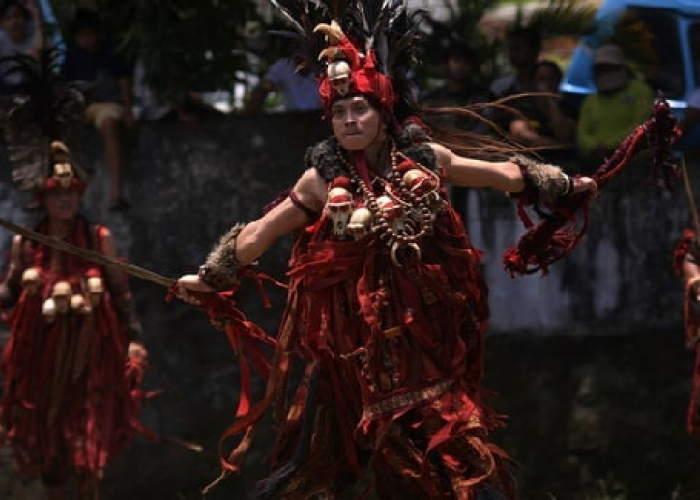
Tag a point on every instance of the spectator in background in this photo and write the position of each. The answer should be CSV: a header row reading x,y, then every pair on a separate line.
x,y
460,89
21,33
619,104
296,85
543,122
91,60
159,106
524,45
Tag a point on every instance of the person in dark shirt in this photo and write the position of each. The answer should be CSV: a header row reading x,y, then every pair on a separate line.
x,y
21,33
542,121
107,80
460,89
524,44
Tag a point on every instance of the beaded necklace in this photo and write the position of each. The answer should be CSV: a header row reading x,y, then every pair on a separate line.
x,y
419,209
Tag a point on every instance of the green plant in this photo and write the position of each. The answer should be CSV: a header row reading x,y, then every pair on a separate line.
x,y
183,45
554,18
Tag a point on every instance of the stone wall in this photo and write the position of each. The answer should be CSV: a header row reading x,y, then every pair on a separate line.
x,y
587,361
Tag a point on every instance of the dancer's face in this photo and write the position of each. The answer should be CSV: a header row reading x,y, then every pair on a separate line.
x,y
356,123
62,204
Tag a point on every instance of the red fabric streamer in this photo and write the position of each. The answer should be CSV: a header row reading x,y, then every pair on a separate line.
x,y
70,401
691,315
246,338
556,235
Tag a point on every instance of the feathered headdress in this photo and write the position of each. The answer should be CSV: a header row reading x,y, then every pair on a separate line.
x,y
356,47
45,118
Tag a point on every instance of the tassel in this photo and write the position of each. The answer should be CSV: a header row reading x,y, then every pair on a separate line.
x,y
556,235
270,488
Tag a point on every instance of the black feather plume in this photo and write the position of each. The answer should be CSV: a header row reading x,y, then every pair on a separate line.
x,y
45,108
383,26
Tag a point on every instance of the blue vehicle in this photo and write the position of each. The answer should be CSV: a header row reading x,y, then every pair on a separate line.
x,y
675,27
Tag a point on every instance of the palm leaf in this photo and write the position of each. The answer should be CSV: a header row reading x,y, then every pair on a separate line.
x,y
563,18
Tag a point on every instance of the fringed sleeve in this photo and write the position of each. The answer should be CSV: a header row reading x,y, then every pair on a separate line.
x,y
544,183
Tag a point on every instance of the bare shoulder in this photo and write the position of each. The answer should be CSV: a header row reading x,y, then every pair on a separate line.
x,y
443,155
311,188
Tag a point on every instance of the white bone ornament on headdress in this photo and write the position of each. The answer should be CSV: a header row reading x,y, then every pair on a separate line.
x,y
340,75
339,72
63,172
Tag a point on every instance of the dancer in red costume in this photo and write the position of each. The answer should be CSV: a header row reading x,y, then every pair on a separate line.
x,y
386,306
687,265
71,395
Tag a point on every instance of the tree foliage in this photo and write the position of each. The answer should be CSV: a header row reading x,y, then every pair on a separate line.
x,y
183,45
553,18
462,24
205,45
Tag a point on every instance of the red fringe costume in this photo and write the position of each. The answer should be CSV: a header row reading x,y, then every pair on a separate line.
x,y
388,316
70,399
393,357
687,250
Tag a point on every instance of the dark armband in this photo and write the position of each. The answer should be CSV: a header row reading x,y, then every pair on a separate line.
x,y
311,215
220,270
544,183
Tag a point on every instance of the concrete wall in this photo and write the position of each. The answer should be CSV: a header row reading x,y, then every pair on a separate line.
x,y
588,361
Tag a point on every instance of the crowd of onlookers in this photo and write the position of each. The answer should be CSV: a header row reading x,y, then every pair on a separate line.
x,y
531,111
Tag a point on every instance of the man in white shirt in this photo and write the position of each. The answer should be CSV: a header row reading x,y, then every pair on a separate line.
x,y
297,87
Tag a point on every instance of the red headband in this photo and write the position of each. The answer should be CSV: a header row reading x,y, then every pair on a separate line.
x,y
351,72
55,183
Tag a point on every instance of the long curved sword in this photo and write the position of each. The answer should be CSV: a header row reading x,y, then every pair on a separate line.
x,y
89,255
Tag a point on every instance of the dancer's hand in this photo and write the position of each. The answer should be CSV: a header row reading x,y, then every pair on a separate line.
x,y
191,283
583,184
138,353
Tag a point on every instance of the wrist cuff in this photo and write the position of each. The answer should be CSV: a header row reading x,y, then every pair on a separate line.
x,y
544,183
220,270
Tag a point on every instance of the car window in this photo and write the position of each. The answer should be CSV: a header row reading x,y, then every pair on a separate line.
x,y
694,40
664,69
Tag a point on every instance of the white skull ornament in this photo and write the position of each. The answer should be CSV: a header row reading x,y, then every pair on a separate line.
x,y
61,295
31,280
419,182
79,304
63,172
48,310
393,212
360,223
339,208
340,76
95,287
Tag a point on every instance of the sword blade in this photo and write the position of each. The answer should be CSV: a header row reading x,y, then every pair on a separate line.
x,y
89,255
